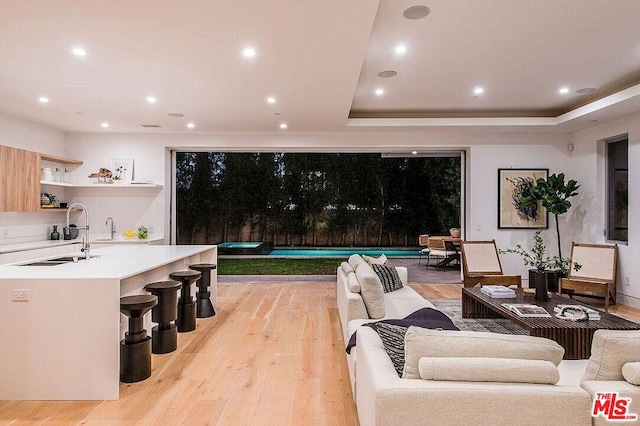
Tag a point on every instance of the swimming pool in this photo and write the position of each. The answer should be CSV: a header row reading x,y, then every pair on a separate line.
x,y
343,252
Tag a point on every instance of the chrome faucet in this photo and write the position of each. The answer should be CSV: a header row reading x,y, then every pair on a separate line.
x,y
113,227
85,244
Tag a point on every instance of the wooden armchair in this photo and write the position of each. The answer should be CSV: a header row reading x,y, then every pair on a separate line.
x,y
597,274
481,265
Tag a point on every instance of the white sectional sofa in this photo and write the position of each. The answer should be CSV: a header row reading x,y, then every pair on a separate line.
x,y
449,398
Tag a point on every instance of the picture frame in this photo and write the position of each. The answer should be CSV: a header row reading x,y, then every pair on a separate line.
x,y
122,170
511,183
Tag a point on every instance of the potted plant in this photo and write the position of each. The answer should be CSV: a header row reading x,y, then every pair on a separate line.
x,y
455,232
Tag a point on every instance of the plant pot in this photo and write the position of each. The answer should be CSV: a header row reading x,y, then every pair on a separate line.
x,y
551,277
455,232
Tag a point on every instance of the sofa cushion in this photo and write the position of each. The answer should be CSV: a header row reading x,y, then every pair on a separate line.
x,y
346,268
375,260
352,283
355,260
631,372
371,291
505,370
388,276
392,337
459,344
610,350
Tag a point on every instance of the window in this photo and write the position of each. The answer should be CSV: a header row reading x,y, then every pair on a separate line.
x,y
617,189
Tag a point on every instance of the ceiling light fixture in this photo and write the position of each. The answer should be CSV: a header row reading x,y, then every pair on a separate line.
x,y
43,100
416,12
79,51
191,125
563,90
401,49
478,91
175,115
105,125
586,90
151,99
387,73
283,125
249,52
414,152
271,100
379,92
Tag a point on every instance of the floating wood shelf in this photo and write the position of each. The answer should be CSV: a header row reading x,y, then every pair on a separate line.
x,y
58,159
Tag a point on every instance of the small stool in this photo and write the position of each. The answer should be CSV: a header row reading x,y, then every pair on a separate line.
x,y
186,306
135,349
203,297
164,337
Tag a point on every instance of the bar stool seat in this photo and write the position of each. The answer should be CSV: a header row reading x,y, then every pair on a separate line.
x,y
135,348
164,336
186,306
203,296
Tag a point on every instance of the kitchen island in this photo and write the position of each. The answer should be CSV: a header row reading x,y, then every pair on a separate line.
x,y
61,325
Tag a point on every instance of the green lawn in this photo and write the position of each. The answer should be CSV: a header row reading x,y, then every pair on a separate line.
x,y
259,266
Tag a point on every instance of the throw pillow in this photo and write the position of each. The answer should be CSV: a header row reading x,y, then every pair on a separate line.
x,y
392,337
631,372
355,260
353,283
346,268
506,370
610,350
388,276
421,342
373,260
371,291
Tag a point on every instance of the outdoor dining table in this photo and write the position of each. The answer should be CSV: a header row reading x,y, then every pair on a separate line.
x,y
450,244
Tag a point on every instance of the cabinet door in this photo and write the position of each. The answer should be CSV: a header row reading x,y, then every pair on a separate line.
x,y
19,180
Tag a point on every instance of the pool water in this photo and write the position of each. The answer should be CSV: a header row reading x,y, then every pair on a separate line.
x,y
239,245
343,252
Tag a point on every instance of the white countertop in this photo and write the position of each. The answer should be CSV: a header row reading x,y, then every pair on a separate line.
x,y
10,248
115,262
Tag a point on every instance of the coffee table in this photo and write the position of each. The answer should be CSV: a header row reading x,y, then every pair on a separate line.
x,y
574,337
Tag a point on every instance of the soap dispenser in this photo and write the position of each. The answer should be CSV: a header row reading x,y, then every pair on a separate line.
x,y
55,235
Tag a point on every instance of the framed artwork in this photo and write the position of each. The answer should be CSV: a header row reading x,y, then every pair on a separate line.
x,y
511,214
122,170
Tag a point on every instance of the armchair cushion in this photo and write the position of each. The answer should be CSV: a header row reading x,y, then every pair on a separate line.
x,y
505,370
610,350
388,276
432,343
375,260
631,372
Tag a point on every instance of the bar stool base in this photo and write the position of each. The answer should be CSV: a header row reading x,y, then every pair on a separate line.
x,y
164,341
135,361
186,317
205,307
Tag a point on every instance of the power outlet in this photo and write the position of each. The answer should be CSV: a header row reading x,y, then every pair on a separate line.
x,y
4,233
20,295
478,227
626,281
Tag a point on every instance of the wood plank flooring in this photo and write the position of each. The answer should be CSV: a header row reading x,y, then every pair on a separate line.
x,y
273,355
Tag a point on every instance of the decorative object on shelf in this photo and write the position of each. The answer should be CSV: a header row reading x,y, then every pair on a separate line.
x,y
46,175
455,232
57,175
143,232
512,213
129,234
47,201
122,170
55,235
103,175
66,176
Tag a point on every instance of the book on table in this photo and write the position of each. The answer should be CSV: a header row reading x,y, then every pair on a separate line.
x,y
498,291
592,314
527,310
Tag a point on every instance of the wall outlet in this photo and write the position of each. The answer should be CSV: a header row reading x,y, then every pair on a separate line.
x,y
626,281
478,227
20,295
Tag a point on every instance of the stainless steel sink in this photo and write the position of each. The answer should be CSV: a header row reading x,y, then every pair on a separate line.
x,y
58,261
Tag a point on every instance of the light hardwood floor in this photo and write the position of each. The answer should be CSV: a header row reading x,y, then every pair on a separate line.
x,y
273,355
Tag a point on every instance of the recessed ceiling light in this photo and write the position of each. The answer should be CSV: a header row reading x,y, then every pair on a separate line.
x,y
175,114
478,91
43,100
586,90
564,90
401,49
79,51
414,152
271,100
379,92
416,12
151,99
249,52
387,73
191,125
283,125
105,125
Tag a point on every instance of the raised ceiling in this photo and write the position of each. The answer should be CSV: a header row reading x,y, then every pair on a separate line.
x,y
320,61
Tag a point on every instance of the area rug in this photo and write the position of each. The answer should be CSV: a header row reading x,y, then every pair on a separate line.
x,y
453,309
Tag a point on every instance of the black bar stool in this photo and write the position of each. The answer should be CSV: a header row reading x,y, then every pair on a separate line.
x,y
164,336
203,296
135,348
186,306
